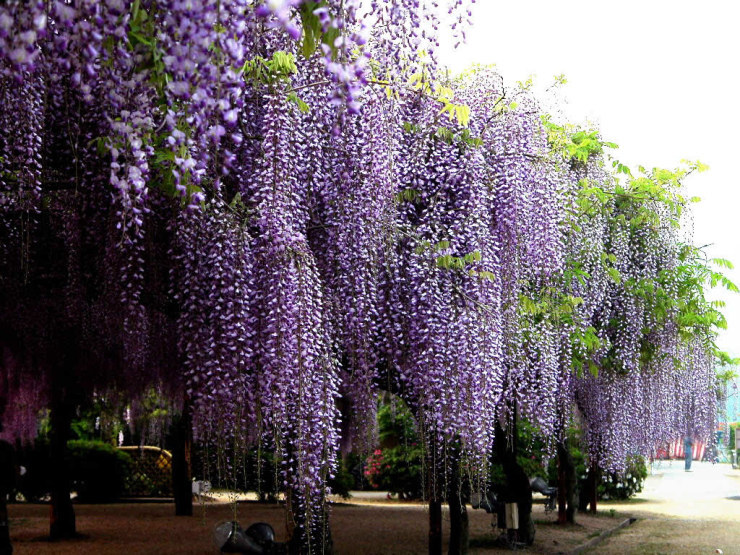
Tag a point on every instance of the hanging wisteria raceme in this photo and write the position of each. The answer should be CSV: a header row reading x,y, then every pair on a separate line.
x,y
585,280
349,185
21,141
696,391
21,26
460,259
296,373
213,283
22,396
622,321
526,219
204,46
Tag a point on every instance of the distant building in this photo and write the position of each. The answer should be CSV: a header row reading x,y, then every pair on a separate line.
x,y
729,412
732,402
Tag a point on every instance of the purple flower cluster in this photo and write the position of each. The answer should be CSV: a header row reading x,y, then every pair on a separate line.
x,y
22,26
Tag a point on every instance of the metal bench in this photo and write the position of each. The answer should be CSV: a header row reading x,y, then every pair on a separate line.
x,y
550,493
488,501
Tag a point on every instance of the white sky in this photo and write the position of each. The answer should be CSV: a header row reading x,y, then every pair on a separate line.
x,y
659,78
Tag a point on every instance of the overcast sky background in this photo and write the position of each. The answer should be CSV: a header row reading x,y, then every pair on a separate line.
x,y
659,78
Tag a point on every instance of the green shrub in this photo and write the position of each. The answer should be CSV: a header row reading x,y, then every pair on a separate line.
x,y
343,480
397,470
626,484
733,426
396,466
354,464
97,470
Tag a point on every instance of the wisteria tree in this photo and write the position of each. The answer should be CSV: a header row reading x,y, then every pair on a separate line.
x,y
177,167
271,211
641,323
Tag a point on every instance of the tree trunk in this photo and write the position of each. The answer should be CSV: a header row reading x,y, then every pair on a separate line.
x,y
517,488
567,484
562,502
435,527
6,547
434,493
182,473
593,486
7,483
301,535
459,530
62,514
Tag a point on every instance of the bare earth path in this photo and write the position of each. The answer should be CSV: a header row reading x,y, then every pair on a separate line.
x,y
681,512
685,513
367,525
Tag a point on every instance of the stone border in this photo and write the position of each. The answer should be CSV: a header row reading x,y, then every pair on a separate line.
x,y
601,537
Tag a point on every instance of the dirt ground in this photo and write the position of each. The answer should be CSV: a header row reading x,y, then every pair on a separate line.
x,y
678,512
380,528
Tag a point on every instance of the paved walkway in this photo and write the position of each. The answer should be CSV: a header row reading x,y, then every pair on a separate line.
x,y
682,512
708,491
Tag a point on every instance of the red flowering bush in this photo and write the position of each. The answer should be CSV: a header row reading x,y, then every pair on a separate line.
x,y
373,468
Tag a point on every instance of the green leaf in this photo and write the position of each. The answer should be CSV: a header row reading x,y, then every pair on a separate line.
x,y
411,127
311,28
442,245
408,195
302,106
722,263
445,134
236,201
593,369
136,38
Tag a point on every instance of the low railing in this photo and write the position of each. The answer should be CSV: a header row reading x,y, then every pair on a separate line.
x,y
150,474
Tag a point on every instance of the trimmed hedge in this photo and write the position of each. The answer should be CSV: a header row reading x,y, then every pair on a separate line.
x,y
97,470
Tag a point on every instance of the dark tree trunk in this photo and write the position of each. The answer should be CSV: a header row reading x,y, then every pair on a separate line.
x,y
571,484
562,503
459,530
182,473
517,488
7,484
62,514
320,540
593,478
567,483
435,494
584,494
435,527
6,547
